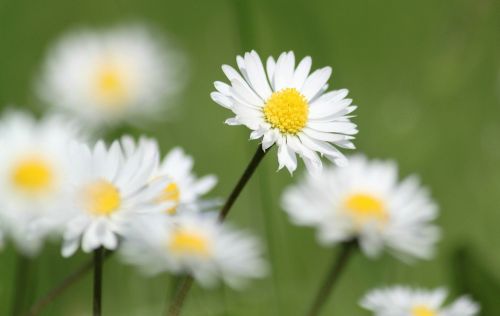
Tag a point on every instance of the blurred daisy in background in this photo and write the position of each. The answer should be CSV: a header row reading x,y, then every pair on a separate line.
x,y
194,243
288,106
121,74
184,188
365,201
405,301
111,189
33,176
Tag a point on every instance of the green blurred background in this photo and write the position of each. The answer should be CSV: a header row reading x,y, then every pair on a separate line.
x,y
426,77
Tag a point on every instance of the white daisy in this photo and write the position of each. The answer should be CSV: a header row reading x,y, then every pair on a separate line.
x,y
110,190
194,243
405,301
33,182
288,106
123,73
184,188
365,201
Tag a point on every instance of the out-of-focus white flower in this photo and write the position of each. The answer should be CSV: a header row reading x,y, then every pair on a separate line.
x,y
184,188
194,243
405,301
33,176
365,201
111,189
103,77
288,106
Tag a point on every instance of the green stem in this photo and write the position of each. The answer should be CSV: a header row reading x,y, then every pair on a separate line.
x,y
185,286
61,287
332,277
20,284
97,294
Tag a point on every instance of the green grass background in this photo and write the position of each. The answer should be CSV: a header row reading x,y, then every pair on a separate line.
x,y
426,77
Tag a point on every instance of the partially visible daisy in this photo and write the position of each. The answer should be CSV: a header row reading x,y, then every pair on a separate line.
x,y
110,190
194,243
405,301
110,76
184,188
33,176
365,201
287,105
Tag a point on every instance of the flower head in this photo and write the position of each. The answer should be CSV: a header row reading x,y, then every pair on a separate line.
x,y
365,201
111,188
405,301
120,74
33,176
184,188
288,106
194,243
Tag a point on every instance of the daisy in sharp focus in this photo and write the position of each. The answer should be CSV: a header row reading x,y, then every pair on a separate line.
x,y
365,201
287,105
405,301
33,181
110,76
111,189
194,243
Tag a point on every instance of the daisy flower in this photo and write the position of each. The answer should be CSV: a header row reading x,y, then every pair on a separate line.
x,y
288,106
194,243
33,182
365,201
110,190
405,301
184,188
110,76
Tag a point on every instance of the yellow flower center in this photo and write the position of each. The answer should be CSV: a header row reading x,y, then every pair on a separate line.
x,y
186,242
421,310
364,207
287,110
110,85
171,193
32,175
102,198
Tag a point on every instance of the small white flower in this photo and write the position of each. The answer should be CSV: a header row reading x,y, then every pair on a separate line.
x,y
288,106
111,189
105,77
184,188
405,301
365,201
33,181
194,243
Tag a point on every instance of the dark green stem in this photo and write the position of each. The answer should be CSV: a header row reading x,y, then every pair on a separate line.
x,y
332,277
97,294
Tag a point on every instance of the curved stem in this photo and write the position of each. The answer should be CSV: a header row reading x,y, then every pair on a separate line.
x,y
181,294
60,288
97,294
332,277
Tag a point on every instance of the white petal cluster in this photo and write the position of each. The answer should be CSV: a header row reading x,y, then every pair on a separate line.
x,y
196,244
110,76
111,187
33,176
287,105
365,201
406,301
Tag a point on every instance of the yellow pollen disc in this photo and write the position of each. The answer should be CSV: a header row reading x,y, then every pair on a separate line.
x,y
287,110
172,194
365,207
32,175
110,86
189,243
102,198
422,310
